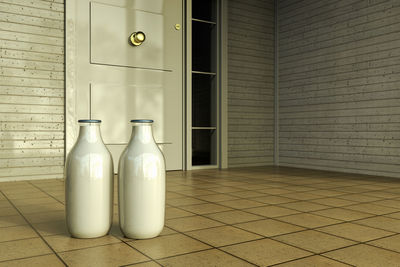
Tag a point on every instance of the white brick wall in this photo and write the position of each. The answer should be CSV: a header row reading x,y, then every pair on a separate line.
x,y
31,89
250,82
339,64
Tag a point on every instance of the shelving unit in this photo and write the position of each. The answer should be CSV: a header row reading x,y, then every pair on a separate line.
x,y
204,85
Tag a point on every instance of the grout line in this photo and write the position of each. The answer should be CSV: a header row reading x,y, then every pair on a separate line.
x,y
36,231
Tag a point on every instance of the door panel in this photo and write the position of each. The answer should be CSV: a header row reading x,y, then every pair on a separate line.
x,y
117,82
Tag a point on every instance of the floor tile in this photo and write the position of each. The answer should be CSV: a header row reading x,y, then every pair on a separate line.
x,y
359,198
205,208
64,242
326,193
265,252
8,211
241,204
222,236
24,248
314,241
316,261
108,255
234,216
304,206
45,217
184,201
364,255
217,197
302,196
51,228
211,257
273,199
308,220
38,261
392,203
40,208
334,202
391,243
395,215
343,214
225,189
166,246
145,264
371,208
275,191
355,232
247,194
381,222
171,213
7,221
191,223
16,232
271,211
269,227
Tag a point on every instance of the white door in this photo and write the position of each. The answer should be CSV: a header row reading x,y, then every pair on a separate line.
x,y
114,81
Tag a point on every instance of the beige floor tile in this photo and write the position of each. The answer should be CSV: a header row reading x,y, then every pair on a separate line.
x,y
211,257
314,241
145,264
23,195
46,216
225,189
382,194
308,220
392,203
217,197
371,208
381,222
16,232
7,221
222,236
269,227
171,213
171,195
271,211
65,243
38,261
196,192
166,246
34,201
299,188
273,199
41,208
205,208
265,252
275,191
326,193
391,242
8,211
395,215
355,232
5,203
343,214
24,248
108,255
51,228
359,198
316,261
191,223
364,255
241,204
334,202
302,196
247,194
184,201
234,216
304,206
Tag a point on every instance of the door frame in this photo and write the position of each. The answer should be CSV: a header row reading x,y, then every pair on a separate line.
x,y
222,84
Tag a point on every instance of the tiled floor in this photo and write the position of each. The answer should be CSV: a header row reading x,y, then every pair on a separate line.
x,y
260,216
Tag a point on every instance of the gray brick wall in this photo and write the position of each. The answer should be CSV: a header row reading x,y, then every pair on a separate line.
x,y
250,82
339,92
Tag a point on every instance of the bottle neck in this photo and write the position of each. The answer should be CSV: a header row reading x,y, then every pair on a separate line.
x,y
142,132
90,132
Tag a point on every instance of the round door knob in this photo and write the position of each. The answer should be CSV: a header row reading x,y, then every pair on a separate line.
x,y
137,38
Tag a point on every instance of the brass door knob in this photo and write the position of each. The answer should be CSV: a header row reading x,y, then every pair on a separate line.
x,y
137,38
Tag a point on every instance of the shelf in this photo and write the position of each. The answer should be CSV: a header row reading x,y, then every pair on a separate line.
x,y
204,128
204,72
204,21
